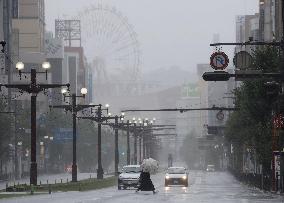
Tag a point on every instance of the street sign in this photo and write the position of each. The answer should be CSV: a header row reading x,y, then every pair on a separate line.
x,y
63,134
220,116
242,60
219,61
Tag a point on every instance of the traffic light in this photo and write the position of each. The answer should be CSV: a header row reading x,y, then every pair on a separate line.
x,y
216,76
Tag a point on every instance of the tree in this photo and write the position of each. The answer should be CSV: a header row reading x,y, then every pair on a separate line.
x,y
5,132
250,127
189,150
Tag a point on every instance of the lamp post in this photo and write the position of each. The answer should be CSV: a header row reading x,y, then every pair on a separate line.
x,y
99,119
116,152
33,88
74,108
128,143
135,141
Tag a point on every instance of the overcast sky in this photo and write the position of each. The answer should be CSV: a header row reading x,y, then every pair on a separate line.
x,y
170,32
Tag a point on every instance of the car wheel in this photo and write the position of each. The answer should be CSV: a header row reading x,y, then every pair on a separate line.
x,y
119,187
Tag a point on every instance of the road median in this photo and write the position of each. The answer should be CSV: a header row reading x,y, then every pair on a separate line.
x,y
83,185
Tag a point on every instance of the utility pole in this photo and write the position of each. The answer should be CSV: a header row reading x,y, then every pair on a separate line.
x,y
74,108
33,88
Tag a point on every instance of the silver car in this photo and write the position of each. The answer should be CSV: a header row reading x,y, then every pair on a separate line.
x,y
129,177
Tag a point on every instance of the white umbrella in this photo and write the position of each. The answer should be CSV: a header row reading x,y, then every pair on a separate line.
x,y
150,165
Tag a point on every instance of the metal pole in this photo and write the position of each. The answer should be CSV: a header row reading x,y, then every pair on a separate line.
x,y
140,150
100,172
16,145
128,144
144,147
135,145
116,153
33,167
282,157
74,165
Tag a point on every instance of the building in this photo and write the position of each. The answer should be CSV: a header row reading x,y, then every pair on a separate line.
x,y
278,20
267,20
54,53
74,68
28,26
247,29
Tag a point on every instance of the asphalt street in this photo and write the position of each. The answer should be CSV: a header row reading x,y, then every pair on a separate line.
x,y
214,187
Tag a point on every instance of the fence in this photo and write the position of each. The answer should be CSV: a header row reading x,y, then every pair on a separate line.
x,y
256,180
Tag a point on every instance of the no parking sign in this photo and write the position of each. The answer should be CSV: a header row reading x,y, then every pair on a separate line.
x,y
219,60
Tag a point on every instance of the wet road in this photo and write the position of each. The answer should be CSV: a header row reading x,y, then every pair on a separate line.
x,y
217,187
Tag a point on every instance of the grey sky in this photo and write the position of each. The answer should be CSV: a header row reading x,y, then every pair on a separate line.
x,y
171,32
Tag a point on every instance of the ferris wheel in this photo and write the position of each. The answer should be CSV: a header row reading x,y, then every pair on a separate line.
x,y
111,44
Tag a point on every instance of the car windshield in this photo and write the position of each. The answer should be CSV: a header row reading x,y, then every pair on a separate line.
x,y
176,170
131,169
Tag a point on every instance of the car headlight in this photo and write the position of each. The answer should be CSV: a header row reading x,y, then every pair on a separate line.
x,y
167,177
184,177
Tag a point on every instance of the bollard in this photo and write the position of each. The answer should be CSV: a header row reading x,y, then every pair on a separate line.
x,y
61,180
40,182
14,184
32,189
67,180
49,189
46,181
90,176
7,185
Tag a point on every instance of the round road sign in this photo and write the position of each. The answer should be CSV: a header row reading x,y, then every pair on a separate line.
x,y
220,116
242,60
219,61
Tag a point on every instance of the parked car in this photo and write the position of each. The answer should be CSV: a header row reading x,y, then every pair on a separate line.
x,y
176,176
210,168
129,177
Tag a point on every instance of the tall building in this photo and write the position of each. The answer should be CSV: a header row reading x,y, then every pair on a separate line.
x,y
28,39
278,20
247,28
54,53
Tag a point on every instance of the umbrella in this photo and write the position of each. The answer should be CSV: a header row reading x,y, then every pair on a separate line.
x,y
150,165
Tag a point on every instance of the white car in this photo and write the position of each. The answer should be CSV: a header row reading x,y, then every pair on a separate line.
x,y
176,176
129,177
210,168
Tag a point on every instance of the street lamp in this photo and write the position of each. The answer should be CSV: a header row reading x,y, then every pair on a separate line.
x,y
84,91
64,91
33,88
20,66
74,108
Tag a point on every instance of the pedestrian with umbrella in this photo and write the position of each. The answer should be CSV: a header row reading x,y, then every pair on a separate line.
x,y
149,166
